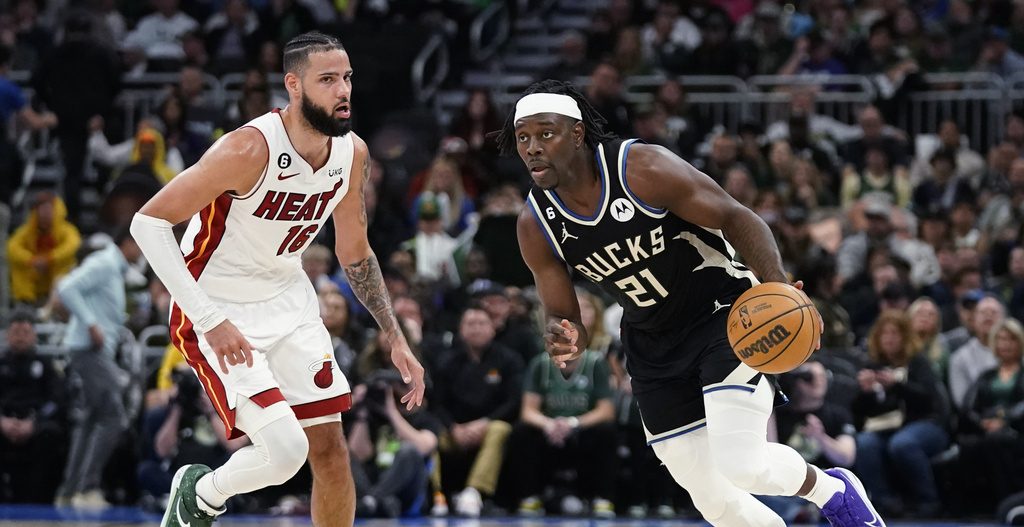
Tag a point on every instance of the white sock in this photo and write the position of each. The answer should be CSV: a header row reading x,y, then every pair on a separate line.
x,y
824,488
211,499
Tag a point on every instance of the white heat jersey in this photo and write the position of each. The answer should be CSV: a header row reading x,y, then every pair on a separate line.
x,y
248,248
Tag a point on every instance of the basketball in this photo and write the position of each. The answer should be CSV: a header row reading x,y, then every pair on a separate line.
x,y
773,327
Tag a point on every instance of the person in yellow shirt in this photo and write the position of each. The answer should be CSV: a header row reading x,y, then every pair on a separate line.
x,y
41,250
151,152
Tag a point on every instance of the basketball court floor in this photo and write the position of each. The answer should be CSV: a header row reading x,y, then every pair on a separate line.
x,y
40,516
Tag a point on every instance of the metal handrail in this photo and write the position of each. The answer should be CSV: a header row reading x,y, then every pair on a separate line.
x,y
993,81
1015,79
499,13
759,82
434,46
729,98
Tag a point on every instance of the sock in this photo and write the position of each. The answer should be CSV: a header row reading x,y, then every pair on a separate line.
x,y
824,488
211,499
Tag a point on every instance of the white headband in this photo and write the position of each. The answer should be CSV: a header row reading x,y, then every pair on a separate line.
x,y
535,103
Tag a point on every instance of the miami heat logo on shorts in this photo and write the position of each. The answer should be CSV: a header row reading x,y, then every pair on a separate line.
x,y
323,372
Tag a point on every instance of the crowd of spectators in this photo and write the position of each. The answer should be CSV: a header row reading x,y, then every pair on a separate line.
x,y
910,245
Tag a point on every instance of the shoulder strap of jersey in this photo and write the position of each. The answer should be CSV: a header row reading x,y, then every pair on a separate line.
x,y
620,171
543,211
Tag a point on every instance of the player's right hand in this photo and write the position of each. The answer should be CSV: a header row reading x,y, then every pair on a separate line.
x,y
560,342
229,345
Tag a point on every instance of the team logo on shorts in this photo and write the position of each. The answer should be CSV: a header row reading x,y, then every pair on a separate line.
x,y
323,372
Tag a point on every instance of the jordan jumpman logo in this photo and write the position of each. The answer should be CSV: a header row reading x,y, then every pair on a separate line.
x,y
566,235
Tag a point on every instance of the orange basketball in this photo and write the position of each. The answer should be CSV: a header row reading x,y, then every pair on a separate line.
x,y
773,327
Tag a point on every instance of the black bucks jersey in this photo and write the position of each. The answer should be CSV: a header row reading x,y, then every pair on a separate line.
x,y
664,271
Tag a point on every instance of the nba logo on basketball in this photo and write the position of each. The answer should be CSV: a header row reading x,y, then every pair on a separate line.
x,y
323,377
745,318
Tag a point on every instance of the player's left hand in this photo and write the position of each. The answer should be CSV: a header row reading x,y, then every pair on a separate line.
x,y
560,342
412,373
799,284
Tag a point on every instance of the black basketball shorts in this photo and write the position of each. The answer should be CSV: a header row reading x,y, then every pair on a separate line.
x,y
672,370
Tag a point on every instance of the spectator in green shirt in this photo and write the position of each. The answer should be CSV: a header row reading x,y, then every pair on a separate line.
x,y
565,422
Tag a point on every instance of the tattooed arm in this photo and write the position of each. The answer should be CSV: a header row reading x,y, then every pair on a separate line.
x,y
663,180
363,271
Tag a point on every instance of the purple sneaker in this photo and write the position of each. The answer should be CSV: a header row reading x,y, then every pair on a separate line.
x,y
851,508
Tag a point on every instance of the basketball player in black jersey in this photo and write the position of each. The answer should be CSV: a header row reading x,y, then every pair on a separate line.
x,y
651,230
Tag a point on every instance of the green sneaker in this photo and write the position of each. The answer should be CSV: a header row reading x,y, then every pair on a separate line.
x,y
182,509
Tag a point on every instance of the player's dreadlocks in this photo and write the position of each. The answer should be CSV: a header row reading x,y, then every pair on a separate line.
x,y
593,123
298,49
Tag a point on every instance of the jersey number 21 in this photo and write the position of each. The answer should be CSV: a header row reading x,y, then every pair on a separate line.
x,y
632,286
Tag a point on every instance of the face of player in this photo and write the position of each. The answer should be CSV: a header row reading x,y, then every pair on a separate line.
x,y
326,93
547,143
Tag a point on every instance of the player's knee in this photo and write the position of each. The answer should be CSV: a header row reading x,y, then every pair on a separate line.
x,y
744,477
742,465
287,448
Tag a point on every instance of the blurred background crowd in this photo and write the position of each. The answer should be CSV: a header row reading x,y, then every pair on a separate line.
x,y
881,140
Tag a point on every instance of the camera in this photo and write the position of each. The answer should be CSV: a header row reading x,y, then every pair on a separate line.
x,y
189,391
377,384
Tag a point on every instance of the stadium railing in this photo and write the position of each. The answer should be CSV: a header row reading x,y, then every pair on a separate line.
x,y
978,101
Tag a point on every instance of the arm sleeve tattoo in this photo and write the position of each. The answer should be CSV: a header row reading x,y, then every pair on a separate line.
x,y
367,283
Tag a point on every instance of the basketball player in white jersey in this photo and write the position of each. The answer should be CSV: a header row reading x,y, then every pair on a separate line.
x,y
244,314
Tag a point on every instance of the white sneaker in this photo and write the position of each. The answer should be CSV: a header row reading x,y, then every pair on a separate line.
x,y
572,506
469,502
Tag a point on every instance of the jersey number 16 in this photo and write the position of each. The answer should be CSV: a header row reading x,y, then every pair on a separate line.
x,y
296,238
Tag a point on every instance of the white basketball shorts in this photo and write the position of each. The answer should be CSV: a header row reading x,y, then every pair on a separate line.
x,y
293,358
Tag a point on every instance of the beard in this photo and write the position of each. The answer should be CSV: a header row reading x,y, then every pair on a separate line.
x,y
323,121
